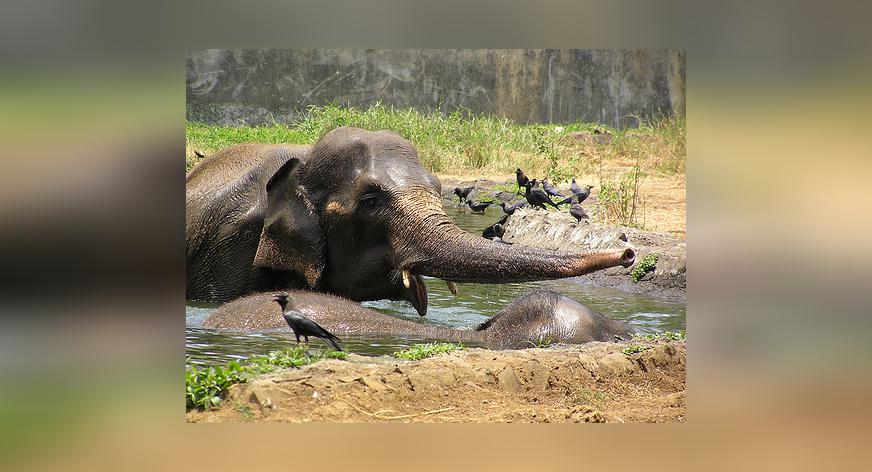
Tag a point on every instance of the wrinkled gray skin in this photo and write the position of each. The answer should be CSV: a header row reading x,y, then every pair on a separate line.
x,y
345,216
539,316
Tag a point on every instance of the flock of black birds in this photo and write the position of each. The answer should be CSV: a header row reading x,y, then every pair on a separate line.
x,y
534,196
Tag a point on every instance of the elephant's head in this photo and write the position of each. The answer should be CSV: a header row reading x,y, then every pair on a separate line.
x,y
361,217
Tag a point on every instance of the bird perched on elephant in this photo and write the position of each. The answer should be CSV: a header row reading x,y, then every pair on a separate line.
x,y
529,320
355,214
302,325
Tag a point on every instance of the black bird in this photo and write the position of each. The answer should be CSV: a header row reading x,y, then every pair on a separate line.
x,y
537,198
478,207
510,210
303,326
198,153
573,187
550,189
582,195
522,179
462,193
576,210
495,230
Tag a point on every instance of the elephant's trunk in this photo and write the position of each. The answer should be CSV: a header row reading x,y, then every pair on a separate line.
x,y
433,245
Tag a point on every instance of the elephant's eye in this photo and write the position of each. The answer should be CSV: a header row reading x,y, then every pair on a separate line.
x,y
369,201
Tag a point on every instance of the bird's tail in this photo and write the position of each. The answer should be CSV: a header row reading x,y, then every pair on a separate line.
x,y
565,200
335,342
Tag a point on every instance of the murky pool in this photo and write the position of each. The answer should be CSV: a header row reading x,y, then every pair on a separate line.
x,y
473,304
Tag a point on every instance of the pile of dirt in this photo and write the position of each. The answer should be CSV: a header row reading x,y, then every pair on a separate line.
x,y
595,382
559,231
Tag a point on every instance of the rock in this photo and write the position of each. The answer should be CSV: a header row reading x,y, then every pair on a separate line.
x,y
616,364
583,136
430,380
585,414
508,380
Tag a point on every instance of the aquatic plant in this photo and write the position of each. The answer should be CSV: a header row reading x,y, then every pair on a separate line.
x,y
647,264
423,351
206,387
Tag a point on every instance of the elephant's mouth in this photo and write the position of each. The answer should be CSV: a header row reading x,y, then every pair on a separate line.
x,y
415,291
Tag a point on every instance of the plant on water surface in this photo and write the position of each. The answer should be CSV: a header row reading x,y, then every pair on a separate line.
x,y
668,335
423,351
647,264
205,387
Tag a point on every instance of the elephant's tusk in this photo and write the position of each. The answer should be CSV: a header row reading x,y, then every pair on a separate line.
x,y
451,286
406,282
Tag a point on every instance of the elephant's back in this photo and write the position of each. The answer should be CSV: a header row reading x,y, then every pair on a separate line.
x,y
254,312
228,165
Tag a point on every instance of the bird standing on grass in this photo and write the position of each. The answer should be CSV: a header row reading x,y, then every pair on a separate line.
x,y
478,207
462,193
537,198
522,179
303,326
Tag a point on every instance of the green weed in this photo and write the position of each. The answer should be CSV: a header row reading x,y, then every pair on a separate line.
x,y
206,387
423,351
634,349
647,264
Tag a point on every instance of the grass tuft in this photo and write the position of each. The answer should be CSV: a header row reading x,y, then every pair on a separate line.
x,y
423,351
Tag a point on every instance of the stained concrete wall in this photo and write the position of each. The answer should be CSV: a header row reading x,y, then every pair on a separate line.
x,y
231,86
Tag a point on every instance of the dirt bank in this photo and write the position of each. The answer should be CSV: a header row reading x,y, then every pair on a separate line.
x,y
595,382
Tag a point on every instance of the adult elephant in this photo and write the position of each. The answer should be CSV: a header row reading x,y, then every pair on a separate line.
x,y
354,215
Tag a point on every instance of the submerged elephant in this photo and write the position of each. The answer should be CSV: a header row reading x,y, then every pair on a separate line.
x,y
540,316
354,215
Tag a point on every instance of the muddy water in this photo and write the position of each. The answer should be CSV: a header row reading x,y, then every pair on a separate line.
x,y
473,304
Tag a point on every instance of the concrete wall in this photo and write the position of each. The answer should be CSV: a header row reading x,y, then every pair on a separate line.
x,y
230,86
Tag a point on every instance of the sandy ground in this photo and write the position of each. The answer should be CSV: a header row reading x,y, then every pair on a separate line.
x,y
596,382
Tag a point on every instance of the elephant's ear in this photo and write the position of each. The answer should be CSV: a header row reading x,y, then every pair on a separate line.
x,y
291,237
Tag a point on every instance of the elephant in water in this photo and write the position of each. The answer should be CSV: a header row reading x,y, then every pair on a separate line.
x,y
355,215
540,316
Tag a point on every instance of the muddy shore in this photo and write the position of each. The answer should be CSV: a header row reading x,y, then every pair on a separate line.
x,y
595,382
558,230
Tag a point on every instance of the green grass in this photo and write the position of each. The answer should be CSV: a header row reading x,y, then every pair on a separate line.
x,y
460,142
423,351
205,388
647,264
634,349
667,335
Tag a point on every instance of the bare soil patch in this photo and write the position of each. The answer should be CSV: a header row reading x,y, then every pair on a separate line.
x,y
595,382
